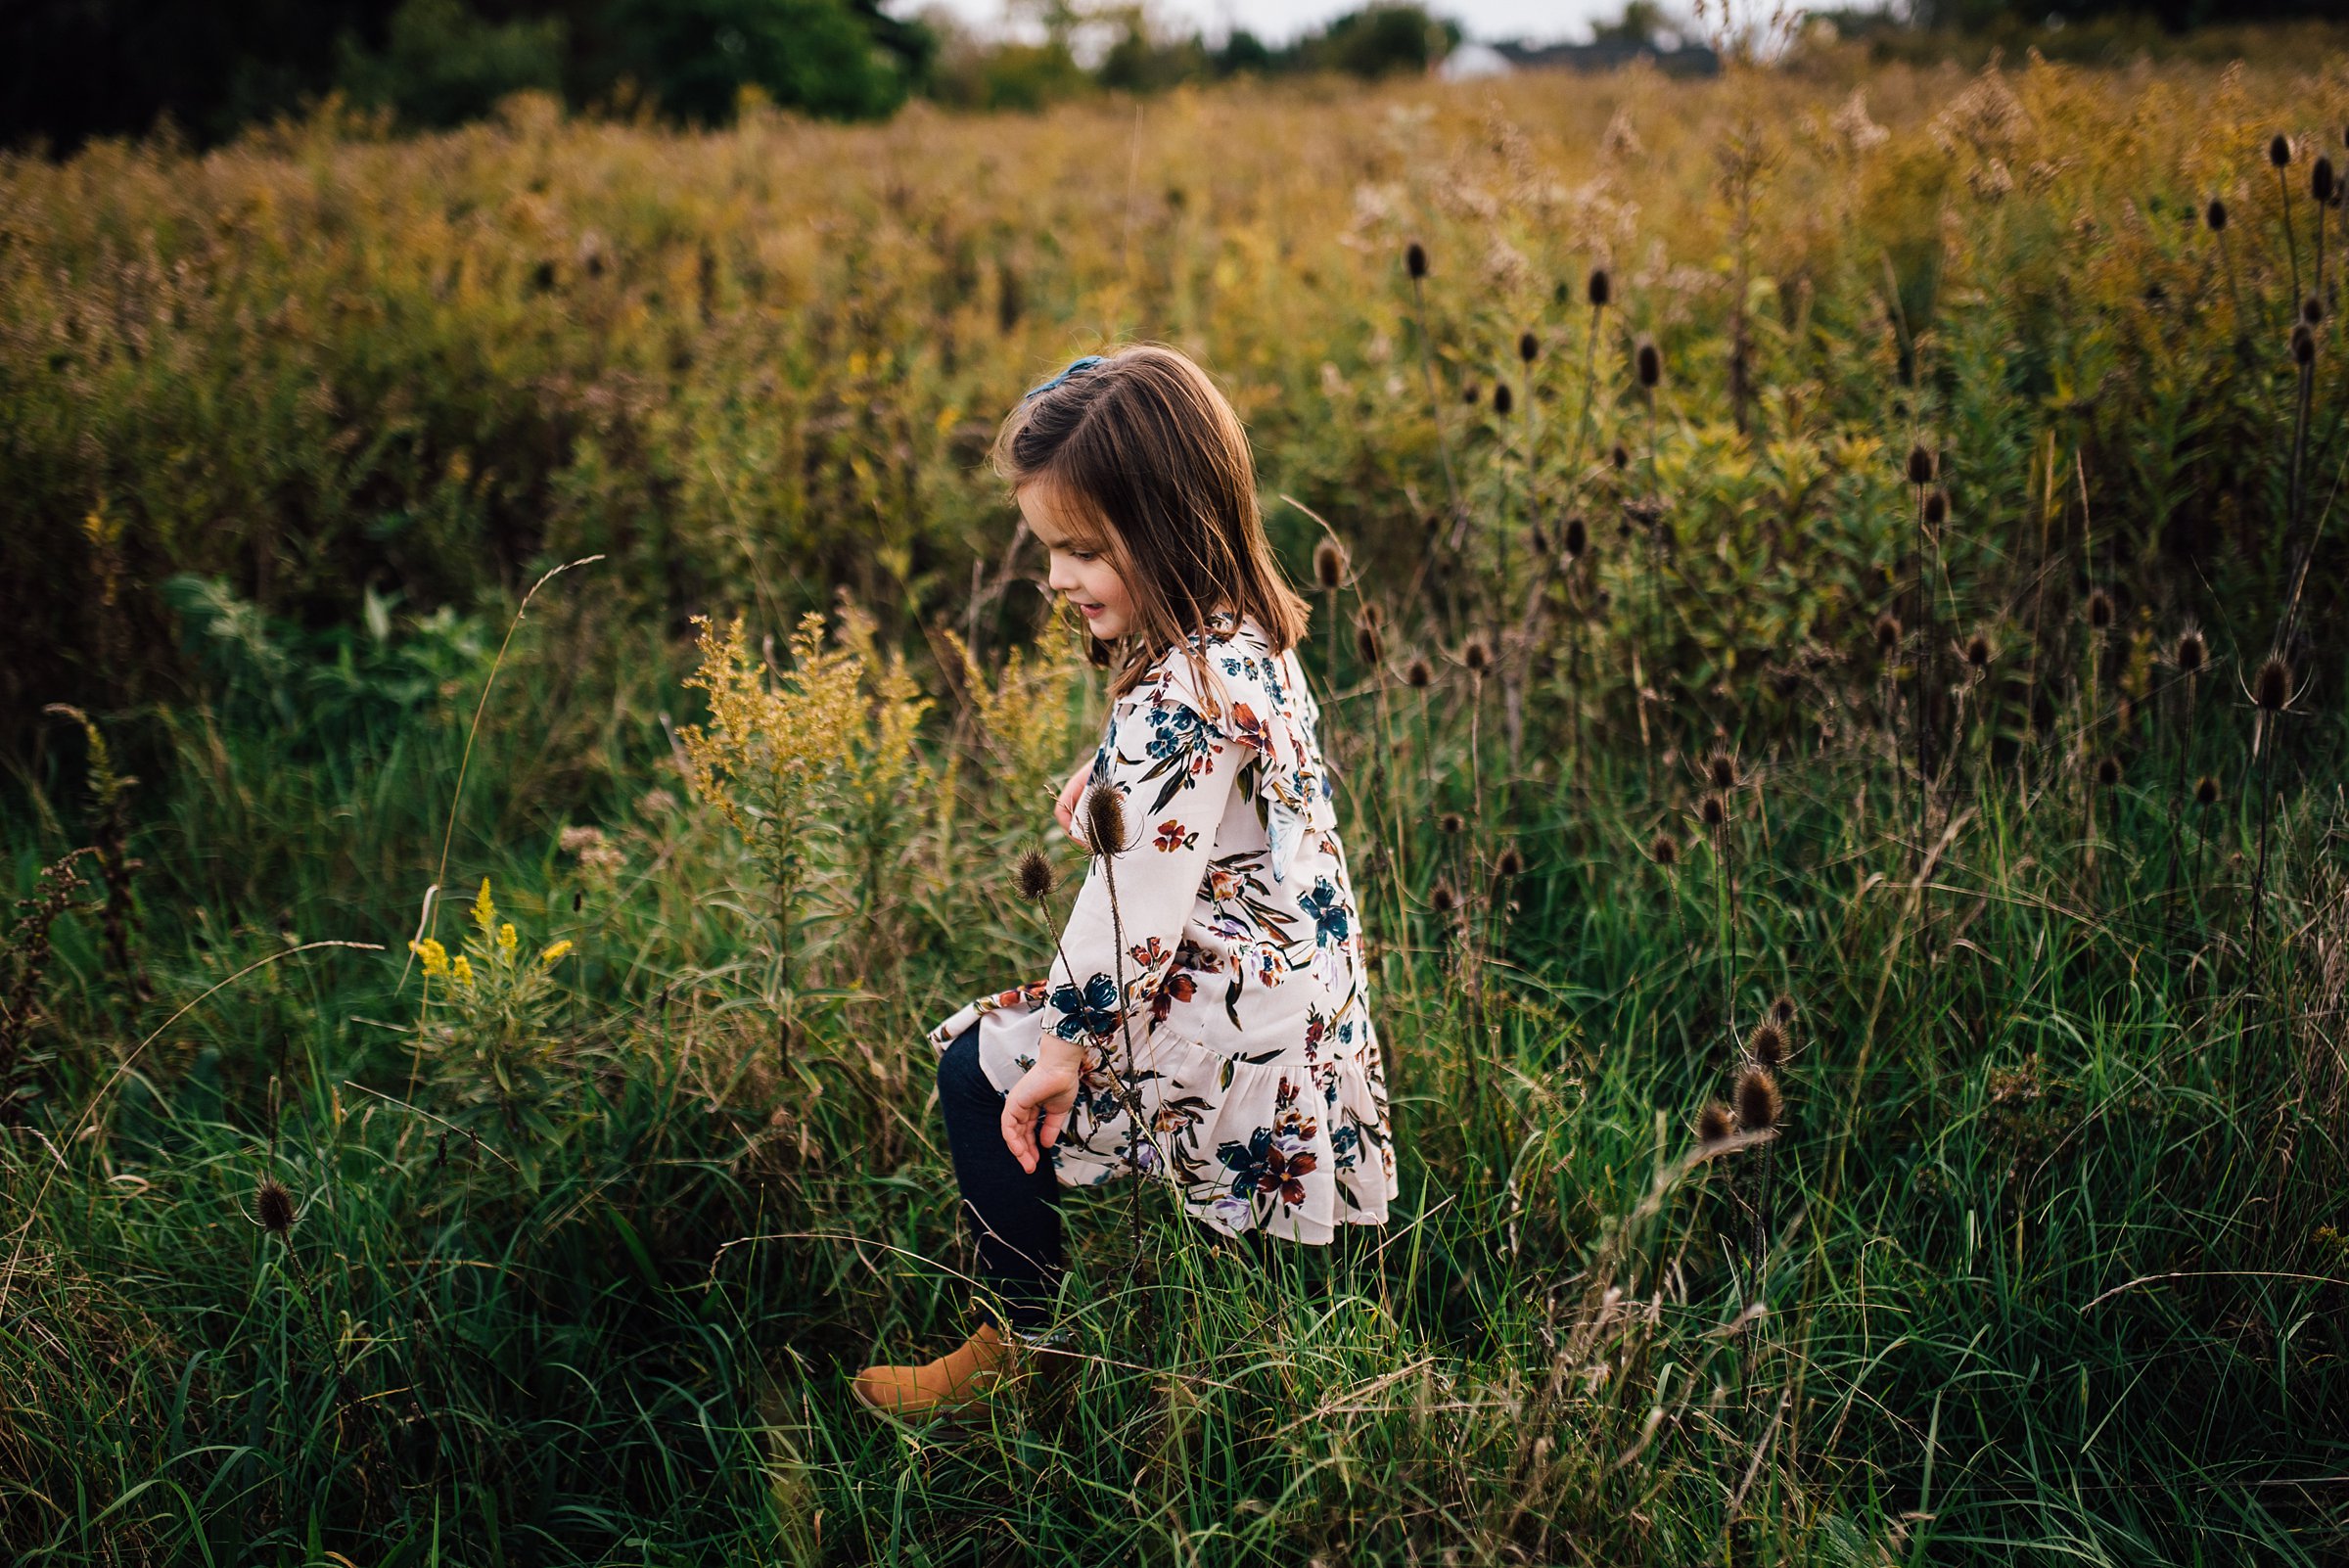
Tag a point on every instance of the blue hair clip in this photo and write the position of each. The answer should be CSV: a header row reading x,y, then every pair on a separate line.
x,y
1074,367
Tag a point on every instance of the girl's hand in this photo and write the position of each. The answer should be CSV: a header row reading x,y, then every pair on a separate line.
x,y
1071,793
1050,1086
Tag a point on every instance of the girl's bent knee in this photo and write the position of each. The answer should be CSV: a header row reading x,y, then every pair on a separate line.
x,y
960,1078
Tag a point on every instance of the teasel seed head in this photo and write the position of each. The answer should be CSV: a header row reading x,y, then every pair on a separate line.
x,y
1329,564
1539,537
1649,362
1529,348
2304,345
2215,216
1451,822
1601,286
1664,850
2320,178
1721,771
1104,819
1937,507
1504,401
1578,538
1373,614
1978,651
1471,392
2192,652
2312,310
1888,631
2099,609
1758,1100
2280,150
273,1207
1622,456
1477,655
1768,1045
1714,1123
2108,770
1418,675
2272,686
1509,865
1365,644
2206,791
1920,465
1034,877
1711,810
1783,1012
1415,260
1441,899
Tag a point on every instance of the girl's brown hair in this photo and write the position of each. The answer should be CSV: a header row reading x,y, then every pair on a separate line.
x,y
1152,470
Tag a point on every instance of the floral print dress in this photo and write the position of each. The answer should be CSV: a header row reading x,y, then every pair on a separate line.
x,y
1224,995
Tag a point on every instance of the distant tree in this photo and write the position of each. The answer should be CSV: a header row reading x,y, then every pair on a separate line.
x,y
443,64
1379,40
1244,51
841,57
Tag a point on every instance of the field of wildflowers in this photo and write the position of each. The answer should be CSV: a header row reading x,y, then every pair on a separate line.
x,y
1829,618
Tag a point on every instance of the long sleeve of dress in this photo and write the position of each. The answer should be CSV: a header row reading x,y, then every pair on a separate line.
x,y
1174,771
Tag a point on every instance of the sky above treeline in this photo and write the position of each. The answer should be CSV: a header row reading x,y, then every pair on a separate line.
x,y
1276,22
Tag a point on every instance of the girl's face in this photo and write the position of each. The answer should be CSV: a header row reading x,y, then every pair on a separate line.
x,y
1081,574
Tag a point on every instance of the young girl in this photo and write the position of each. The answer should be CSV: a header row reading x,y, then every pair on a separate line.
x,y
1220,988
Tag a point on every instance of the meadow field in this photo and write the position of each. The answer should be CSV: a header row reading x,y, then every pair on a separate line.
x,y
521,697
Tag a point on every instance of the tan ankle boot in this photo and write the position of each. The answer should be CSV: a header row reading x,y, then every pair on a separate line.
x,y
960,1377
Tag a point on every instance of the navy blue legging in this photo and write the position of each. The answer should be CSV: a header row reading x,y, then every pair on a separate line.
x,y
1013,1214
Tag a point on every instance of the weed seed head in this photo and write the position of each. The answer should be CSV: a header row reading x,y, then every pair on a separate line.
x,y
1528,347
1451,822
2280,150
1888,631
1713,810
1365,643
1721,768
1104,819
1504,401
2312,310
1649,363
1418,673
1477,655
1578,538
1665,850
1034,876
2320,178
2108,770
1758,1100
2272,686
1782,1012
2099,609
1937,507
1601,286
1415,260
1978,651
1509,865
273,1207
2206,791
2304,345
2192,652
1622,456
2215,216
1442,899
1714,1123
1329,564
1768,1045
1921,466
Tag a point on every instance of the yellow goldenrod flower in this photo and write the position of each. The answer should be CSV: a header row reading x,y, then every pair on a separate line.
x,y
461,967
434,956
554,949
507,940
485,911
